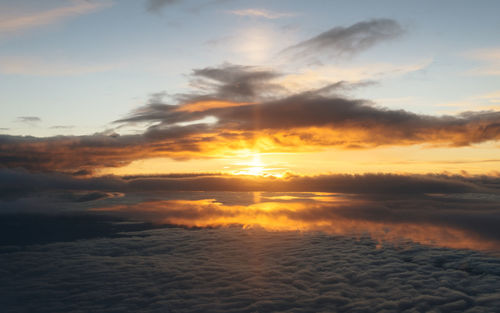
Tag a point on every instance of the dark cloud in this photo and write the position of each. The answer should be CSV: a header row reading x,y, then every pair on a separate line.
x,y
82,173
62,127
29,119
237,83
19,183
23,182
88,196
69,152
357,122
234,83
157,5
342,41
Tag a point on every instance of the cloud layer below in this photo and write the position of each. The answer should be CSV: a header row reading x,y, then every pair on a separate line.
x,y
179,270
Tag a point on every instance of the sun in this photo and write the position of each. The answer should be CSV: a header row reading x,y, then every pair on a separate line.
x,y
254,167
257,167
251,163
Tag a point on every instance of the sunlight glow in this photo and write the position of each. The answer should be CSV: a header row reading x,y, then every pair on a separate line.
x,y
254,167
298,215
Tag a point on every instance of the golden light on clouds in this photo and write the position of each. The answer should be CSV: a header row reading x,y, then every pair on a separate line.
x,y
209,104
299,213
255,167
409,159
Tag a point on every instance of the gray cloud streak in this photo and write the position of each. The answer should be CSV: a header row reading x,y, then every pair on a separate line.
x,y
346,41
157,5
29,119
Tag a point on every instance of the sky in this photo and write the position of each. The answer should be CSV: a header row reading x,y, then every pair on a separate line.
x,y
249,156
93,68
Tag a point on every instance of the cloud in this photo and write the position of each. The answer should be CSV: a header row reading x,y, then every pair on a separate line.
x,y
252,270
58,153
316,77
353,122
29,119
346,41
260,13
22,182
490,59
38,67
233,83
451,211
16,22
62,126
422,220
234,107
157,5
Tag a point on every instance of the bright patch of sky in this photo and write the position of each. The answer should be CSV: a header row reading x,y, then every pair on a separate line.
x,y
79,65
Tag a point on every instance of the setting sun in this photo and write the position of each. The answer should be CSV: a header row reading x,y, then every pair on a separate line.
x,y
253,167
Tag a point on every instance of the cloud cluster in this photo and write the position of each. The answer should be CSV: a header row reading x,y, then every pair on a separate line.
x,y
246,106
315,117
235,270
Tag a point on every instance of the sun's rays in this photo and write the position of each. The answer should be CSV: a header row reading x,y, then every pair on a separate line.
x,y
254,166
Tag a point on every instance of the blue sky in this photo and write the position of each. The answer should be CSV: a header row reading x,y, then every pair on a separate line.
x,y
83,64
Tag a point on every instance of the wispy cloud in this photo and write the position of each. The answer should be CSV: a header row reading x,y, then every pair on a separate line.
x,y
346,41
260,13
156,5
490,61
29,119
62,127
492,97
24,21
39,67
311,78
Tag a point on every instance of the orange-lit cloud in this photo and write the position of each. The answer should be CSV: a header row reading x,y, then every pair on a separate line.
x,y
243,108
208,104
452,211
20,21
325,216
